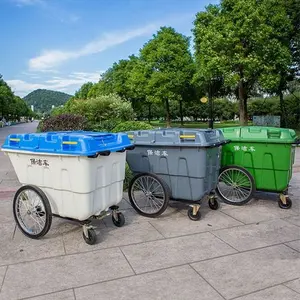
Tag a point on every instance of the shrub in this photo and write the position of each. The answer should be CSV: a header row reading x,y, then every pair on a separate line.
x,y
63,122
132,125
128,177
103,108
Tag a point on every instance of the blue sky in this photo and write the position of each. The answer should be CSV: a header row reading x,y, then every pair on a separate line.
x,y
60,44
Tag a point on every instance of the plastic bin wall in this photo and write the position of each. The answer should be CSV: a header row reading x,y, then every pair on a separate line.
x,y
77,186
267,153
186,160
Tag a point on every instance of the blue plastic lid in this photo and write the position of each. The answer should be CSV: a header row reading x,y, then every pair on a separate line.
x,y
80,143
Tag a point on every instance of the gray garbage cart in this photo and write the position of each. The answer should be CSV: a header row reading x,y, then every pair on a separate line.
x,y
174,164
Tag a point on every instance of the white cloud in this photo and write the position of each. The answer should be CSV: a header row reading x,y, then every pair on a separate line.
x,y
53,58
65,84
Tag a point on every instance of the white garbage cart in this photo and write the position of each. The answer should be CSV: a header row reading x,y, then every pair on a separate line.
x,y
74,175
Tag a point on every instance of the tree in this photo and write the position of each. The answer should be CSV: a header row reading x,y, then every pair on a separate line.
x,y
241,41
168,59
6,98
82,93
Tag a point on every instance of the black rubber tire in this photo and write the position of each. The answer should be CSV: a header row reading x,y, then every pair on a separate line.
x,y
213,204
166,192
251,180
46,204
288,204
121,219
92,237
196,217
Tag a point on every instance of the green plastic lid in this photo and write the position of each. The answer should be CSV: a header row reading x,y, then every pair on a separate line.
x,y
260,134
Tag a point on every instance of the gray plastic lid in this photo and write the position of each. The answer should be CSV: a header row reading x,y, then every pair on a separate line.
x,y
178,137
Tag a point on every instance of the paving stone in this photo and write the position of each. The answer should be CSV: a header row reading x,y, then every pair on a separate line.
x,y
65,295
295,245
175,284
22,248
157,255
2,273
6,211
262,211
182,225
247,272
112,237
131,216
294,220
279,292
294,285
65,272
258,235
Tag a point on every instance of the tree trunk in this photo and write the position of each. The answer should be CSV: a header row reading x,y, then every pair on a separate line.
x,y
149,113
168,120
243,104
210,110
283,114
181,112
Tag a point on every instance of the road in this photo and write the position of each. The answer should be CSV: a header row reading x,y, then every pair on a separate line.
x,y
8,178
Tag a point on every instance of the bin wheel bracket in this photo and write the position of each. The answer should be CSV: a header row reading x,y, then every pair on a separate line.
x,y
89,234
284,201
194,212
213,202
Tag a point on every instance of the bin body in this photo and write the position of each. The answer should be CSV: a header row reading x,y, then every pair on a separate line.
x,y
188,161
267,153
77,186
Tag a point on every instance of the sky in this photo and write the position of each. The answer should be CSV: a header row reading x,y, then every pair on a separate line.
x,y
61,44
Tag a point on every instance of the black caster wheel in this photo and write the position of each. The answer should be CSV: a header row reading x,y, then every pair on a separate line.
x,y
193,217
91,238
213,204
288,204
118,219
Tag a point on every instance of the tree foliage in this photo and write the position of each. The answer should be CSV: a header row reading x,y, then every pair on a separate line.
x,y
243,41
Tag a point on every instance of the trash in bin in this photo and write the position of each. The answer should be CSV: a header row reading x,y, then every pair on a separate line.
x,y
258,158
173,164
74,175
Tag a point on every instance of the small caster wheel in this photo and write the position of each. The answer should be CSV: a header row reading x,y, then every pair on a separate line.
x,y
193,217
118,219
213,203
288,204
91,238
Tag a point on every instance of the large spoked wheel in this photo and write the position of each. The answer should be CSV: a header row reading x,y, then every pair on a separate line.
x,y
236,185
148,195
32,211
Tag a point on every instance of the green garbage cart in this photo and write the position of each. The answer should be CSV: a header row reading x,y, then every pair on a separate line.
x,y
257,159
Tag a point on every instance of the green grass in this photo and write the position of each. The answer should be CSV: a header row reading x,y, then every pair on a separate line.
x,y
196,124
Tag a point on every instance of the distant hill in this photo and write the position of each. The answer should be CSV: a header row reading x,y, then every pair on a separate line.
x,y
44,99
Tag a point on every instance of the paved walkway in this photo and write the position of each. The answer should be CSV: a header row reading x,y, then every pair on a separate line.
x,y
244,253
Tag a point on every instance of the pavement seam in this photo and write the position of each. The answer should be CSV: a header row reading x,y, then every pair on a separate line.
x,y
157,230
115,247
225,242
2,283
207,282
74,293
290,287
128,261
233,217
14,233
291,246
46,294
286,219
260,290
63,241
